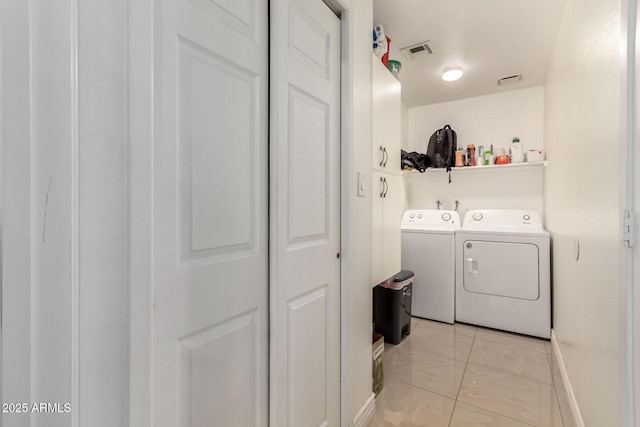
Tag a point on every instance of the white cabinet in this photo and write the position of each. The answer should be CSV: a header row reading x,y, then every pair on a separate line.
x,y
387,181
387,214
386,119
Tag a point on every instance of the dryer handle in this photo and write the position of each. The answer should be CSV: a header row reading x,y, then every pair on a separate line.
x,y
472,266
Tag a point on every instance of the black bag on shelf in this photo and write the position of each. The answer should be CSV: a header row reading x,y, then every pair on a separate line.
x,y
414,160
442,148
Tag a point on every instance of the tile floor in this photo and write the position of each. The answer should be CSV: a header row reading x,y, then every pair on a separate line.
x,y
460,375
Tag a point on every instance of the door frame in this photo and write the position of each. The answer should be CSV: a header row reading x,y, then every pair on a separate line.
x,y
141,124
629,294
348,273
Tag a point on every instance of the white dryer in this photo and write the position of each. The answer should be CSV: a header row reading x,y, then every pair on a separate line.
x,y
428,249
503,272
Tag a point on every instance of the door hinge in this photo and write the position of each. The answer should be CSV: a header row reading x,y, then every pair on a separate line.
x,y
627,228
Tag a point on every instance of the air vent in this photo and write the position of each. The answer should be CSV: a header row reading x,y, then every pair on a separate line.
x,y
410,52
509,79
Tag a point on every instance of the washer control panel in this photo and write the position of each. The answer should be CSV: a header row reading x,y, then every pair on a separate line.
x,y
431,217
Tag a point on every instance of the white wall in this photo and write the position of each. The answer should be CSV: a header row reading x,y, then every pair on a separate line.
x,y
481,120
102,209
509,188
38,217
582,119
16,192
404,126
64,222
54,146
404,144
357,368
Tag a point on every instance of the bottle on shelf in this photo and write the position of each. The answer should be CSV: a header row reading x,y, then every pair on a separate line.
x,y
516,150
471,154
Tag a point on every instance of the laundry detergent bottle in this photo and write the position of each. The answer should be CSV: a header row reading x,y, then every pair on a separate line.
x,y
516,150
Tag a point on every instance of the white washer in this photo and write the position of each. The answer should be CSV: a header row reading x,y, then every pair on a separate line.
x,y
503,272
428,245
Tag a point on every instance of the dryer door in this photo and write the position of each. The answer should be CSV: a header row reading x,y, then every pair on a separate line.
x,y
501,268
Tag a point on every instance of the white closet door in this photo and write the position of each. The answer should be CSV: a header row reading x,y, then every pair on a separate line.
x,y
209,351
305,214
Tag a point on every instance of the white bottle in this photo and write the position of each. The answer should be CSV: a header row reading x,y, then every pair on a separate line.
x,y
517,153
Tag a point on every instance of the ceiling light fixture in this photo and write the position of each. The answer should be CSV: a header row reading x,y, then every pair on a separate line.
x,y
451,74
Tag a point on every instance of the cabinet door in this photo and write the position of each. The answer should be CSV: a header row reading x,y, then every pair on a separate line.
x,y
391,219
392,124
377,93
377,186
386,119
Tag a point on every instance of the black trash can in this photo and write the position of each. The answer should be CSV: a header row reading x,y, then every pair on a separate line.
x,y
392,307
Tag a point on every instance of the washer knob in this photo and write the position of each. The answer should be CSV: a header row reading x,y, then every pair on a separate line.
x,y
526,217
446,216
411,216
419,216
477,216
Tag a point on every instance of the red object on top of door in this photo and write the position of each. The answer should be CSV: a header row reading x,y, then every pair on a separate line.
x,y
385,57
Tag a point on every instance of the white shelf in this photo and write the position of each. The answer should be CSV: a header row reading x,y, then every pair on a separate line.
x,y
520,166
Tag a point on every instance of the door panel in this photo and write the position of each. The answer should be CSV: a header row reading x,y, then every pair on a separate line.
x,y
305,203
391,219
502,268
308,145
378,188
308,370
209,352
207,201
230,346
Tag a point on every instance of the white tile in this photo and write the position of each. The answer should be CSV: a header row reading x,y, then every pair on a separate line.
x,y
435,373
521,341
414,322
400,404
523,399
457,328
515,360
439,341
469,416
500,379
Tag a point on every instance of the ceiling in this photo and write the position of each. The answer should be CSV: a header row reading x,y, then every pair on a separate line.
x,y
488,39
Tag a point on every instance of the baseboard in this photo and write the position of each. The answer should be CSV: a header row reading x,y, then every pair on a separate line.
x,y
571,397
366,413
